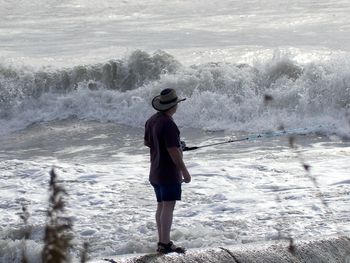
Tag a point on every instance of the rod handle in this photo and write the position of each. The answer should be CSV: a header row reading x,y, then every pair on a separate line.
x,y
190,148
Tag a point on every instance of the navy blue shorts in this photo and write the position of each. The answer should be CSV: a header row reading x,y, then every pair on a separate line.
x,y
167,192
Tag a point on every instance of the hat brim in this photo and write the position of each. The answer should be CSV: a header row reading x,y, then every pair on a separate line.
x,y
157,105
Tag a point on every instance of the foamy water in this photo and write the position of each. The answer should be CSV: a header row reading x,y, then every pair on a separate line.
x,y
76,82
220,96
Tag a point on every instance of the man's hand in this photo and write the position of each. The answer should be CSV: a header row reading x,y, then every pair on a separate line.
x,y
186,175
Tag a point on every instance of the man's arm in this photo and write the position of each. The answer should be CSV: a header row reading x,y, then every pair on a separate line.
x,y
176,156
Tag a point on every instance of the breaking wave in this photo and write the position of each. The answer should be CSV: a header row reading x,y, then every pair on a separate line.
x,y
221,96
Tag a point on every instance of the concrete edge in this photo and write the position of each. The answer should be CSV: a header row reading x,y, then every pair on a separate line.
x,y
332,249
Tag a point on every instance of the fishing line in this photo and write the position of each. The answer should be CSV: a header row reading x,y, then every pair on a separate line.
x,y
251,137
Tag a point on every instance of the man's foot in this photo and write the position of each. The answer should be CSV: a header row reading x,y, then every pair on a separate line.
x,y
170,248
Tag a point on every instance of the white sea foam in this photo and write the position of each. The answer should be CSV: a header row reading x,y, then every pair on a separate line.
x,y
75,91
220,96
232,198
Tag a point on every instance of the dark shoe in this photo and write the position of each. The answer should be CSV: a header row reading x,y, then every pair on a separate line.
x,y
159,247
170,248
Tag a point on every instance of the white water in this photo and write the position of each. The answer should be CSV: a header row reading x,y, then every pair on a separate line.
x,y
75,94
220,96
232,199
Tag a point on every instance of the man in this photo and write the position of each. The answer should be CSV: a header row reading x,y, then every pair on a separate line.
x,y
167,170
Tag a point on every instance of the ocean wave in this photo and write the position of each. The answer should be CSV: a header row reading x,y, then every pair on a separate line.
x,y
130,73
221,96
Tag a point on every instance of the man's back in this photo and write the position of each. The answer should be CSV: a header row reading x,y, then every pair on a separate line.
x,y
161,133
168,170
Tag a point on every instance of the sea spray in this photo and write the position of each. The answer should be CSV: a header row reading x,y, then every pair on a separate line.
x,y
221,96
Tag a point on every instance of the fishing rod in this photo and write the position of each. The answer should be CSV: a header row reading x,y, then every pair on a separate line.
x,y
251,137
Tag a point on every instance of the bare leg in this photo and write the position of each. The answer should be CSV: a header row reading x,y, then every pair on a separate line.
x,y
158,213
166,219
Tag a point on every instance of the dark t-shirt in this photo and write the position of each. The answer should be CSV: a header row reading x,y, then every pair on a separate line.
x,y
161,133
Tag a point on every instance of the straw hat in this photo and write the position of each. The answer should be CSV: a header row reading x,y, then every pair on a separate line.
x,y
166,100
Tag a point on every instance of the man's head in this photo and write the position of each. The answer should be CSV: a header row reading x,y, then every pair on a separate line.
x,y
166,101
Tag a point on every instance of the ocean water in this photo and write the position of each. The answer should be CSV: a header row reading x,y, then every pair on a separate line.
x,y
76,82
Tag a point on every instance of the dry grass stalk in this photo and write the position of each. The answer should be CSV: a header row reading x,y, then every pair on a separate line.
x,y
84,253
309,175
25,216
58,235
268,99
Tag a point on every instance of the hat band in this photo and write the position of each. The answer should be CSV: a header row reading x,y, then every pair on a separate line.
x,y
169,101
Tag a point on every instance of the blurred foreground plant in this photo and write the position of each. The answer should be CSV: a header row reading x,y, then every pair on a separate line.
x,y
25,216
58,231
